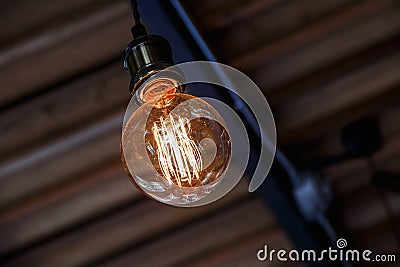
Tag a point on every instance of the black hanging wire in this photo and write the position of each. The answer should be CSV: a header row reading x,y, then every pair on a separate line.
x,y
138,29
135,10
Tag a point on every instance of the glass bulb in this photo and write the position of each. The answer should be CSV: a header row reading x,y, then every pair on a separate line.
x,y
175,146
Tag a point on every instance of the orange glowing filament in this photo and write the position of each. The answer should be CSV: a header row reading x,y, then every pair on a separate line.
x,y
178,155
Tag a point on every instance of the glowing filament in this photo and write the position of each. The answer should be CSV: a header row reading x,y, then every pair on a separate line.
x,y
178,155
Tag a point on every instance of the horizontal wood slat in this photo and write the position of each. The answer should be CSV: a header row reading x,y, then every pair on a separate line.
x,y
64,206
327,49
217,231
352,174
337,23
243,253
68,106
378,238
277,19
28,18
64,198
231,14
130,226
64,51
323,137
61,159
333,96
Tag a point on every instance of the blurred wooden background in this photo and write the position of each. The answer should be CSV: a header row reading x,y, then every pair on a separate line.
x,y
64,198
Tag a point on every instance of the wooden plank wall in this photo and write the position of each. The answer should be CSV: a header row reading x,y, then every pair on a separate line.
x,y
64,199
321,65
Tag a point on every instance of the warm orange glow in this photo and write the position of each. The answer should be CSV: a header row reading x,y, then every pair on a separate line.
x,y
178,155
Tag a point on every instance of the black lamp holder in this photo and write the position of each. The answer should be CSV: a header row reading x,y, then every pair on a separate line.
x,y
146,55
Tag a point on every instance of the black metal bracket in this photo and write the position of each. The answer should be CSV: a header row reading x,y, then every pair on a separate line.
x,y
361,138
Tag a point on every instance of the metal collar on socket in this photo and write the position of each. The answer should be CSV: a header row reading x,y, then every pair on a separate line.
x,y
145,56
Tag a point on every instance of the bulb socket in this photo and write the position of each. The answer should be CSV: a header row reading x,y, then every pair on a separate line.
x,y
145,56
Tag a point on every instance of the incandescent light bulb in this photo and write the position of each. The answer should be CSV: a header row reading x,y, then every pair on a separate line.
x,y
175,146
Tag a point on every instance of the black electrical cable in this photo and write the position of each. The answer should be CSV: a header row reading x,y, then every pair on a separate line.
x,y
135,10
138,29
